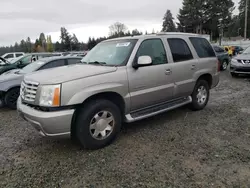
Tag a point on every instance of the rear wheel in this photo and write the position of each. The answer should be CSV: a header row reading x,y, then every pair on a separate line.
x,y
11,97
200,95
97,124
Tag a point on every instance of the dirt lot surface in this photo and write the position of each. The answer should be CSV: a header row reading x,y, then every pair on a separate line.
x,y
209,148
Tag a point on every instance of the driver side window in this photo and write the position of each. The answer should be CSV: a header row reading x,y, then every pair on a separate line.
x,y
153,48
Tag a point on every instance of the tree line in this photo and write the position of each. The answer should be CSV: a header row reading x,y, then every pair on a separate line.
x,y
211,17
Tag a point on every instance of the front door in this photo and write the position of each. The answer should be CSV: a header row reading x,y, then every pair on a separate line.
x,y
151,84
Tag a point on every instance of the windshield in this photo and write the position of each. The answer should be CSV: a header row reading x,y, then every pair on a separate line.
x,y
246,51
114,53
31,67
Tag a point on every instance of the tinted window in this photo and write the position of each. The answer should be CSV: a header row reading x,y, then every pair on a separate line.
x,y
73,61
153,48
32,67
202,47
218,49
9,56
180,50
52,64
18,55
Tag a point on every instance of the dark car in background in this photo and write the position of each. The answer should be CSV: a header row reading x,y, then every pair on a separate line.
x,y
10,83
22,61
240,64
237,50
222,56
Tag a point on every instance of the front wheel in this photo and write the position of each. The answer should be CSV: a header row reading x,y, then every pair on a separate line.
x,y
97,124
234,74
200,95
11,97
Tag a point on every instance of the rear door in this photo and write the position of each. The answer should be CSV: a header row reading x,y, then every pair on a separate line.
x,y
184,66
208,62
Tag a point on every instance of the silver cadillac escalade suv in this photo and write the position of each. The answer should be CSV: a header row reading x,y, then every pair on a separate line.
x,y
120,80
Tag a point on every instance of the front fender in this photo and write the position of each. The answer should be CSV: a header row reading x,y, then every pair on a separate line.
x,y
80,96
5,86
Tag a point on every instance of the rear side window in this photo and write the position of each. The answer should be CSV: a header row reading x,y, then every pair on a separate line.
x,y
18,55
202,47
218,49
180,50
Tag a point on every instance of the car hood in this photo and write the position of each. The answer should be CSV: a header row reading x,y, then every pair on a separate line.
x,y
68,73
9,77
243,56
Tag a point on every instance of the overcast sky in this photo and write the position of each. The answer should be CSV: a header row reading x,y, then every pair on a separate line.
x,y
22,18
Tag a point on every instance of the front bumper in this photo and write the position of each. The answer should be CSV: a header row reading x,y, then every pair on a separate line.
x,y
240,69
47,123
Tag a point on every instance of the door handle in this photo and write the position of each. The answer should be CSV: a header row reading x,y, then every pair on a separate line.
x,y
168,72
192,67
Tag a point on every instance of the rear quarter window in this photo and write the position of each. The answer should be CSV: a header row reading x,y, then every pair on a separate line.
x,y
202,47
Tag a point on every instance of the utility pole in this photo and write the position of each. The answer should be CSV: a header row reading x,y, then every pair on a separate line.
x,y
245,29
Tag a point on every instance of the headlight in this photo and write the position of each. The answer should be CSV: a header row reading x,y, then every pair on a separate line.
x,y
234,61
50,95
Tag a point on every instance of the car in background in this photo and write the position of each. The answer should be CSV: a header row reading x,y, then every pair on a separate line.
x,y
222,56
21,61
10,83
229,50
240,64
12,55
237,50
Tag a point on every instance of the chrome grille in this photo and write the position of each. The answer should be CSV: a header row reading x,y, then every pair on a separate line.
x,y
28,91
244,61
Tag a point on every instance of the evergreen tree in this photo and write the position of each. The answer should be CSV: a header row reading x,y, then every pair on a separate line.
x,y
168,22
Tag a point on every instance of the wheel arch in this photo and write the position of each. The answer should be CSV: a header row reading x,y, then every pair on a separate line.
x,y
207,77
114,97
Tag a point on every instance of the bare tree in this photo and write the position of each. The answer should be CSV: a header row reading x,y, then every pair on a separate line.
x,y
117,28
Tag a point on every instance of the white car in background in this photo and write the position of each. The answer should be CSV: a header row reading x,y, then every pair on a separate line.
x,y
12,55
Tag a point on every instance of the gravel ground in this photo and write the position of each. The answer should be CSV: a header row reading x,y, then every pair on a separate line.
x,y
209,148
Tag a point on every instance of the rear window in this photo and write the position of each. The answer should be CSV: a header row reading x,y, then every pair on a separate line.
x,y
180,50
202,47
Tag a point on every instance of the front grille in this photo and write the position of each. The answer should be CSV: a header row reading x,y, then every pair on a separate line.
x,y
243,61
28,91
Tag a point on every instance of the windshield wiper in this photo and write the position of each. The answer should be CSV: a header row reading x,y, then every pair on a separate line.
x,y
97,62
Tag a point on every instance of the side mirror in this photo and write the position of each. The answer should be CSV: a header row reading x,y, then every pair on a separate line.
x,y
240,52
143,61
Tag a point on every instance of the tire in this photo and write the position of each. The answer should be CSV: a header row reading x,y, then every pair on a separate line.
x,y
224,65
91,136
235,75
198,103
11,97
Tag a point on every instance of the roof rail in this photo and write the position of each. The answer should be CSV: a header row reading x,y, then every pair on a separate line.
x,y
177,33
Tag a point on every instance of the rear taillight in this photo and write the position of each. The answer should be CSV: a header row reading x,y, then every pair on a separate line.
x,y
218,66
